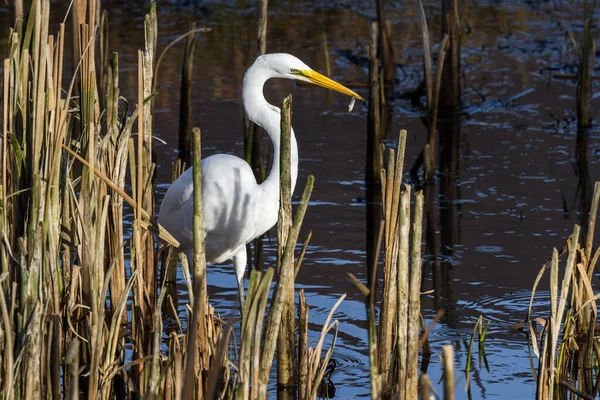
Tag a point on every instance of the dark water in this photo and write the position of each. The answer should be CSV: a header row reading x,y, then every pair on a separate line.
x,y
517,182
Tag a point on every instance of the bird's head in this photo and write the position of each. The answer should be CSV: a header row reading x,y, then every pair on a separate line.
x,y
287,66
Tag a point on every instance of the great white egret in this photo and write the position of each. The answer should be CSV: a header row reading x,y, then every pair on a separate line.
x,y
236,208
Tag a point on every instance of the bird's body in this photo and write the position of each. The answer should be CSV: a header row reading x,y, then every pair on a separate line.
x,y
236,208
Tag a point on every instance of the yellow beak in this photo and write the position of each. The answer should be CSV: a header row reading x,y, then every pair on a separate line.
x,y
327,83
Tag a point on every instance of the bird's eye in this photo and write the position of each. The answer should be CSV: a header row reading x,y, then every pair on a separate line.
x,y
294,71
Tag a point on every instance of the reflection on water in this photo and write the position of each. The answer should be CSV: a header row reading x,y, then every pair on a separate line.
x,y
516,187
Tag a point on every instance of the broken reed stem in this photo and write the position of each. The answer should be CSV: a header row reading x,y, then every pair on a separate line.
x,y
147,220
448,361
302,345
275,313
197,351
403,290
375,376
414,301
117,149
285,179
286,348
426,386
145,164
390,192
139,330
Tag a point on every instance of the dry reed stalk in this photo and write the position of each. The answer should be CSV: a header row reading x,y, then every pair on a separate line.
x,y
116,159
426,387
286,348
139,304
154,382
374,376
301,255
414,302
16,13
302,345
403,291
252,324
448,361
402,288
316,363
389,296
390,192
72,360
568,350
145,163
145,293
197,350
65,215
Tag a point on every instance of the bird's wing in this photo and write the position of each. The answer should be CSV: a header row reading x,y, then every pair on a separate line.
x,y
228,185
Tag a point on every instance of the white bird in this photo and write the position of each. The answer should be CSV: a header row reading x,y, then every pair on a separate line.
x,y
236,208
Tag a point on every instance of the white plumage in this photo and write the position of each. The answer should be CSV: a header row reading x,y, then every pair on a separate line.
x,y
236,208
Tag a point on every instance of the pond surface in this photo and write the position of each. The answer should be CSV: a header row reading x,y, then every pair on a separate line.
x,y
518,178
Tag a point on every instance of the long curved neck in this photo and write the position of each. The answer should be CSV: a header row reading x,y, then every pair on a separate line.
x,y
268,117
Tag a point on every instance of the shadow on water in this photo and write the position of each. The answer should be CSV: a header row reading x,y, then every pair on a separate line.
x,y
449,145
584,182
